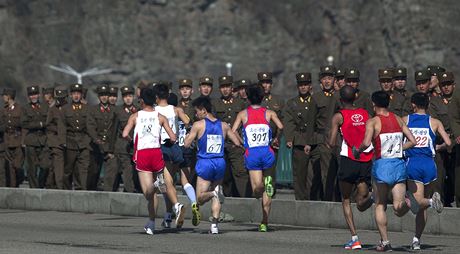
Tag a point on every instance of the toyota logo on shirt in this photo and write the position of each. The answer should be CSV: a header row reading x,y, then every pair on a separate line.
x,y
357,119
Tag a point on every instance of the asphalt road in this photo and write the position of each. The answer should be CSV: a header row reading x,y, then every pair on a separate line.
x,y
58,232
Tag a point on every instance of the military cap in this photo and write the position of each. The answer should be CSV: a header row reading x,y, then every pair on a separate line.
x,y
225,80
126,90
76,88
31,90
185,82
9,91
265,76
206,80
352,73
422,75
303,78
327,70
386,73
48,90
102,90
242,83
60,93
339,73
399,72
113,90
446,78
435,70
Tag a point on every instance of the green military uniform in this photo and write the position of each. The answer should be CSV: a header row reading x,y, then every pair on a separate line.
x,y
124,148
400,73
56,139
323,159
113,95
299,125
76,118
13,137
275,103
398,104
226,110
103,144
363,99
3,175
33,122
242,84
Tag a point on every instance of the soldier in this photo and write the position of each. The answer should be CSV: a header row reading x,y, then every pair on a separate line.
x,y
339,79
76,118
33,122
103,144
241,85
48,95
113,95
362,98
435,71
398,103
56,139
454,114
236,180
13,138
275,103
399,82
3,176
299,116
437,109
323,159
123,148
205,86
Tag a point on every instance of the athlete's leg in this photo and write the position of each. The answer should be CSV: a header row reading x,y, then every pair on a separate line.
x,y
146,180
346,190
363,197
400,206
381,191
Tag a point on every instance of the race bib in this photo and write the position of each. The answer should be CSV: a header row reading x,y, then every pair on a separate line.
x,y
182,133
391,145
258,135
422,137
213,143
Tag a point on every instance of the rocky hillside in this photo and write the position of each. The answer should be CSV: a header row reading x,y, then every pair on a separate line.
x,y
171,39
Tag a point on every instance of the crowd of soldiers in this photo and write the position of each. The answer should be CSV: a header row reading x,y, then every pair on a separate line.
x,y
64,143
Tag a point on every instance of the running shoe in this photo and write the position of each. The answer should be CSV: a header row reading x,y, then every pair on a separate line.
x,y
196,214
353,245
384,247
166,223
269,186
149,228
263,227
415,245
160,183
412,202
214,229
219,194
180,214
437,202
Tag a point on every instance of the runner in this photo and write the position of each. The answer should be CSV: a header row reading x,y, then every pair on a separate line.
x,y
258,155
210,166
386,131
421,168
147,125
353,172
172,153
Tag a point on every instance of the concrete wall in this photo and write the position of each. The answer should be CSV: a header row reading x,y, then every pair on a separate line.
x,y
288,212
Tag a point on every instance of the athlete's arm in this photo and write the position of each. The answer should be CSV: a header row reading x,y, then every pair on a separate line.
x,y
439,128
129,126
274,117
192,134
367,141
231,135
337,120
182,116
238,121
405,119
165,124
406,131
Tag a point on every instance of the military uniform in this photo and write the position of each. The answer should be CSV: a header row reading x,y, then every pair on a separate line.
x,y
124,148
113,95
363,99
299,118
103,144
400,73
3,175
76,118
56,139
226,110
13,141
242,84
398,104
33,122
275,103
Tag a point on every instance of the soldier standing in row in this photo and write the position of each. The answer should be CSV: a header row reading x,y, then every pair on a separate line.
x,y
454,114
339,79
13,138
299,116
435,71
398,103
76,117
236,179
205,86
240,86
275,103
48,96
362,97
103,122
33,122
56,139
113,95
399,83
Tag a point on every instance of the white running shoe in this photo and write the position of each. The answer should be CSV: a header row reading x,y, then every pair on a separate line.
x,y
219,194
160,183
180,214
214,229
437,202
